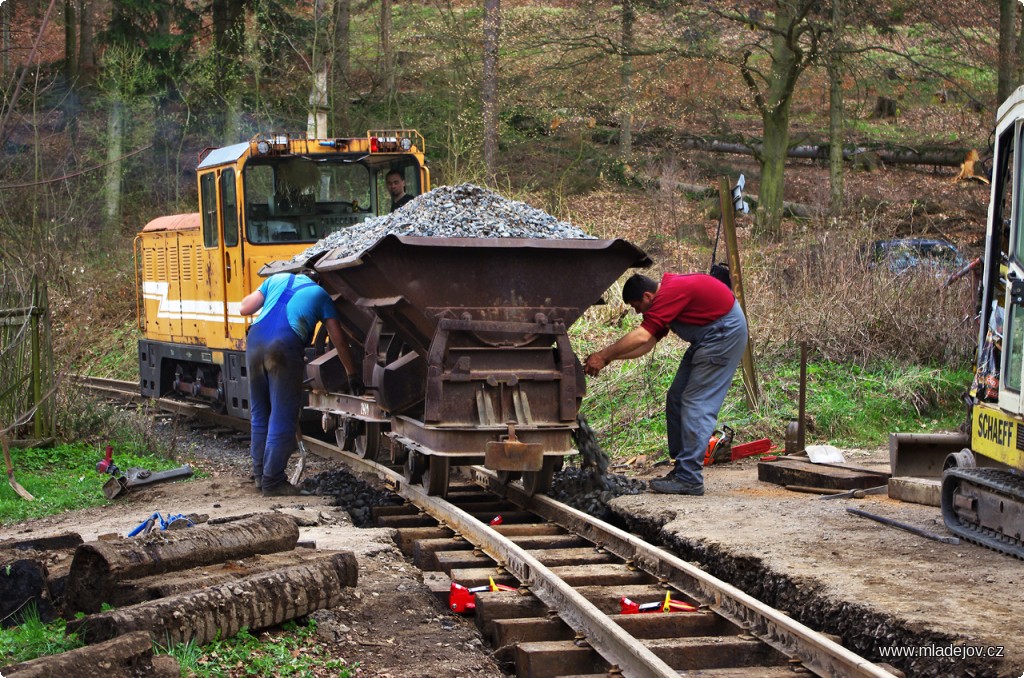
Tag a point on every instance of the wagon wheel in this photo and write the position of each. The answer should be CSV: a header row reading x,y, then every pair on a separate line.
x,y
506,477
399,453
345,434
415,465
435,480
539,482
367,443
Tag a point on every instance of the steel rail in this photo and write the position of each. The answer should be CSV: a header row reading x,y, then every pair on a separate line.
x,y
607,638
815,651
130,390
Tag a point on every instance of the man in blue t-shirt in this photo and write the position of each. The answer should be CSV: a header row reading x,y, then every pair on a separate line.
x,y
292,305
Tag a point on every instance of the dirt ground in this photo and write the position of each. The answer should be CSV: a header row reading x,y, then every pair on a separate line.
x,y
870,584
389,626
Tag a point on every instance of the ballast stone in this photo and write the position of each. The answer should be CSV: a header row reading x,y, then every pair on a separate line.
x,y
462,211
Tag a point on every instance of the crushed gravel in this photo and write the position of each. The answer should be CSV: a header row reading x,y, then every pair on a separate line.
x,y
462,211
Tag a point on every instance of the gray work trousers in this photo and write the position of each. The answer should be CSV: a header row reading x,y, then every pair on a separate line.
x,y
699,388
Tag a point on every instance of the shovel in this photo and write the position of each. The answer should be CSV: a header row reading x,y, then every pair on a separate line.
x,y
22,492
301,466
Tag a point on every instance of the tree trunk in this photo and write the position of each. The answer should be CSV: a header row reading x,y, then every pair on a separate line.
x,y
1007,49
5,36
626,74
256,602
342,61
768,218
228,40
112,184
316,121
774,110
128,655
835,112
489,86
99,566
86,42
166,584
388,53
70,42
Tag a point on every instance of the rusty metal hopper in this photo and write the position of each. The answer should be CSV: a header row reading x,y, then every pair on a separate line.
x,y
411,283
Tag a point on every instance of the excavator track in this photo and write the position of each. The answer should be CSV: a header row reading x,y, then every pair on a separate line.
x,y
985,506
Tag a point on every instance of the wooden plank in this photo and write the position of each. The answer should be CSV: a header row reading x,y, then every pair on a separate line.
x,y
795,472
528,529
927,491
494,605
547,659
121,657
407,537
448,560
598,574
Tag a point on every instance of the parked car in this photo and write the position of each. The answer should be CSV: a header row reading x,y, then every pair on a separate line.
x,y
905,254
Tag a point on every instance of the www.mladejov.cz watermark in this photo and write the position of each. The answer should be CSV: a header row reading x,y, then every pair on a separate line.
x,y
951,651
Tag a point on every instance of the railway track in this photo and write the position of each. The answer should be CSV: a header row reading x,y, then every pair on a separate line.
x,y
570,572
127,391
576,569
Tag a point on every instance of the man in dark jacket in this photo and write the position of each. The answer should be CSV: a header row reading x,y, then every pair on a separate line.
x,y
703,311
395,182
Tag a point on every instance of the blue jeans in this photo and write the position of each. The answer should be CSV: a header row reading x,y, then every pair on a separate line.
x,y
274,355
699,388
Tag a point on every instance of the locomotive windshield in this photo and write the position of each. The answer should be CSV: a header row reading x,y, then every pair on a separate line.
x,y
303,200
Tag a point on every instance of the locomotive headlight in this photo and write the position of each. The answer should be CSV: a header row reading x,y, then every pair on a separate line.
x,y
406,144
263,147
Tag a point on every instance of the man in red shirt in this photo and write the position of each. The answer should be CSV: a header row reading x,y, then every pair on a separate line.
x,y
703,311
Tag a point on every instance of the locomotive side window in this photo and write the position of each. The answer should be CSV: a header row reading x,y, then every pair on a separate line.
x,y
229,206
209,198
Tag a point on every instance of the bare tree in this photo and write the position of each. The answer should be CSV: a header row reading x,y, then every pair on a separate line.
x,y
1007,80
835,111
387,51
342,63
489,85
628,103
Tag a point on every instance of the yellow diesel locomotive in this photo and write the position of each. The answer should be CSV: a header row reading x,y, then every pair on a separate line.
x,y
260,201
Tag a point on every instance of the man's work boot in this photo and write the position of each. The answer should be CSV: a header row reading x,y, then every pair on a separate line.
x,y
671,484
284,489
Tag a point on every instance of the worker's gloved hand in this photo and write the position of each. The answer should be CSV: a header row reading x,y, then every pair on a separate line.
x,y
356,385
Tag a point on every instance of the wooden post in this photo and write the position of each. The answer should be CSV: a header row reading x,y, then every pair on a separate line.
x,y
37,377
750,386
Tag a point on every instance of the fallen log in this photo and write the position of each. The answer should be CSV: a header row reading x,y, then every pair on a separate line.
x,y
23,585
127,656
256,602
942,156
98,566
154,587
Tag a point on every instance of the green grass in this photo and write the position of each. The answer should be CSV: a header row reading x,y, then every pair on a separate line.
x,y
64,478
33,638
847,405
290,652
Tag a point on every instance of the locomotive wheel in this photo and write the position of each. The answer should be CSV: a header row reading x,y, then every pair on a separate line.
x,y
506,477
539,482
415,465
435,480
367,443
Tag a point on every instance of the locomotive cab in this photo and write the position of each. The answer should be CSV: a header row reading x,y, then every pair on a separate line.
x,y
260,201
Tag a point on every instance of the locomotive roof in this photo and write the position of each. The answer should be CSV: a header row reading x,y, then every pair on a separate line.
x,y
173,222
219,156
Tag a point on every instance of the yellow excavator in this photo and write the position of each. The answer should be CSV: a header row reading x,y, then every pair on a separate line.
x,y
982,495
